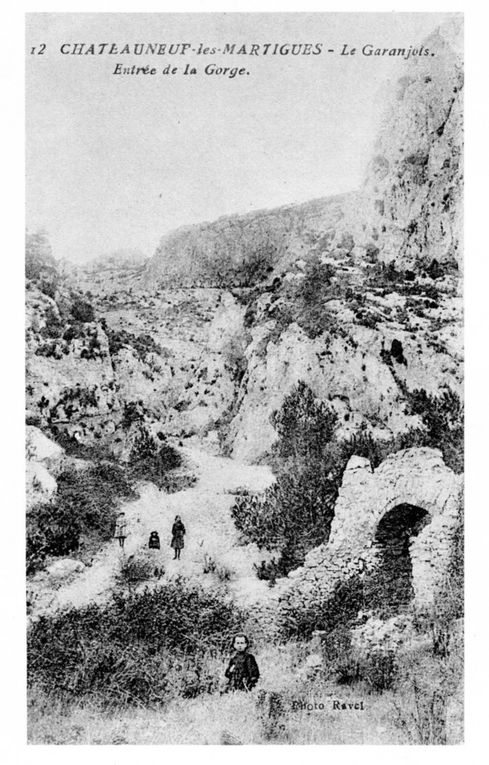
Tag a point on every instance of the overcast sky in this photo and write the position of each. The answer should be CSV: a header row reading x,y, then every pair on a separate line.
x,y
117,161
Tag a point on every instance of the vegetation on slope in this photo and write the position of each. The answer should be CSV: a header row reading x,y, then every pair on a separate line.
x,y
144,648
295,514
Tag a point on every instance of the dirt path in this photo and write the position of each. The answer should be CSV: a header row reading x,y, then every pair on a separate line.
x,y
205,511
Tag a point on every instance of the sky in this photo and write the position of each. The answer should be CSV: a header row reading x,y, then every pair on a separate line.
x,y
117,161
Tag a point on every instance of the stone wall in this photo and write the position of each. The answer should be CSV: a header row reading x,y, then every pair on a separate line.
x,y
410,478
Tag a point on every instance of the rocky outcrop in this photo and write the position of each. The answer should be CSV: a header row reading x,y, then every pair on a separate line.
x,y
413,190
243,250
348,371
71,386
44,460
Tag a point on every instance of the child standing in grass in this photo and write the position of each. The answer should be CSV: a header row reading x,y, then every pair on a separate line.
x,y
120,532
242,672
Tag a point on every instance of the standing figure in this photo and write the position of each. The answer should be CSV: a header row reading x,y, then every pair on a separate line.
x,y
178,532
242,672
120,532
154,541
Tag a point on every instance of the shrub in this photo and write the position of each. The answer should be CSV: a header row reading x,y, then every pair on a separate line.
x,y
267,571
152,462
256,266
443,419
82,310
85,505
53,326
141,648
40,266
377,669
293,517
304,425
134,571
308,297
142,345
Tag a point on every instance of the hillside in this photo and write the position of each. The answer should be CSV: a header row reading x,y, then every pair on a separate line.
x,y
243,250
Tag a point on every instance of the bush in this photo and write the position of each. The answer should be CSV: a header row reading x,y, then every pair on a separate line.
x,y
133,571
306,299
293,517
84,507
142,648
443,419
295,514
142,345
82,310
40,266
267,571
152,462
304,425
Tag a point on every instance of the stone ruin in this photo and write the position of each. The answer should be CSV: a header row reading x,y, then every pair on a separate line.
x,y
397,522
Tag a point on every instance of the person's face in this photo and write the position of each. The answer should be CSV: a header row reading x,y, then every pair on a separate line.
x,y
240,644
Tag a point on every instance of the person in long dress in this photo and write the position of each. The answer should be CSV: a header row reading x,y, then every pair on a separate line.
x,y
178,533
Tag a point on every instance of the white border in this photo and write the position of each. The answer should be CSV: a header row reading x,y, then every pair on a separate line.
x,y
12,714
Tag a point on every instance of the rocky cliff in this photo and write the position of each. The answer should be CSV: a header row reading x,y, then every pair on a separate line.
x,y
412,195
243,250
408,208
358,296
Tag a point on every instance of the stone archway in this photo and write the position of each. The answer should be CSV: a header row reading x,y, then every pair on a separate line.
x,y
394,572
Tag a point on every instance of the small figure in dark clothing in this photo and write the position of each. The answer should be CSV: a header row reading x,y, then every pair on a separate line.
x,y
242,672
154,541
178,532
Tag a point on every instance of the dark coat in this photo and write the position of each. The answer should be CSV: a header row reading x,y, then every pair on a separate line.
x,y
178,531
242,672
154,541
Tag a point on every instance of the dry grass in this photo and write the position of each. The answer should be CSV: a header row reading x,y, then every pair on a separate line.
x,y
211,718
278,711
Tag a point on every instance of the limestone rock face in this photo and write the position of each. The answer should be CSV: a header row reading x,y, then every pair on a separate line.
x,y
44,460
241,250
71,382
40,448
348,372
413,189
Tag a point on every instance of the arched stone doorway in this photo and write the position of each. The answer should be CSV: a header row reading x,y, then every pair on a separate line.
x,y
393,578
